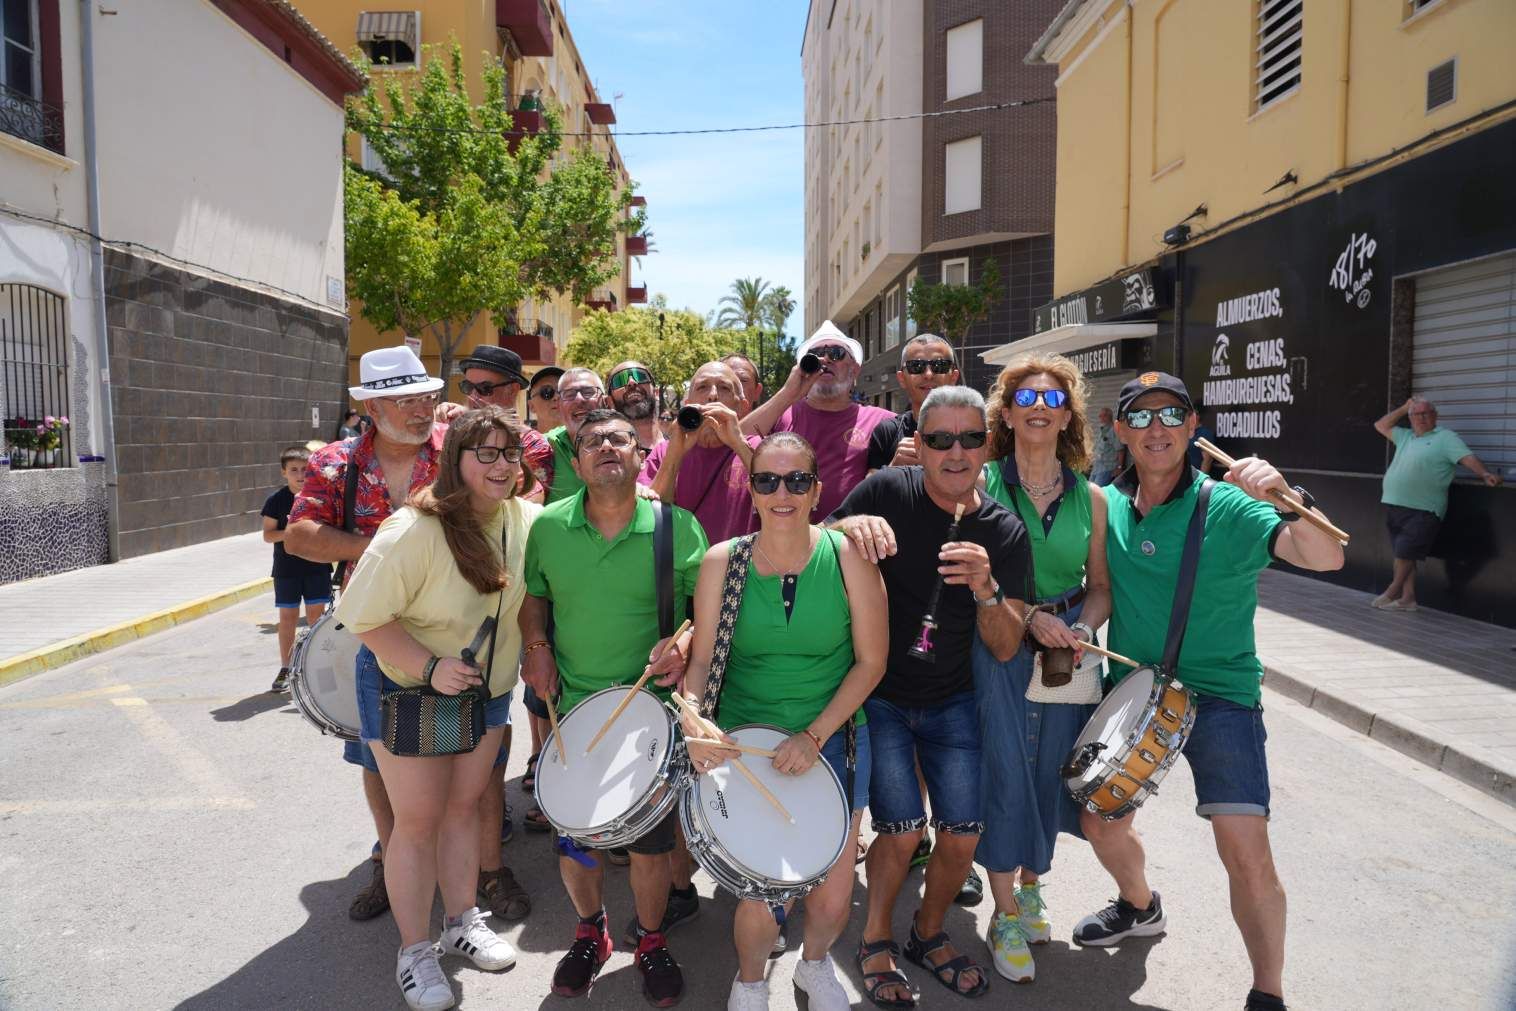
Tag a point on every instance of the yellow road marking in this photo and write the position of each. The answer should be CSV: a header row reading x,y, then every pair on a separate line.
x,y
192,764
111,805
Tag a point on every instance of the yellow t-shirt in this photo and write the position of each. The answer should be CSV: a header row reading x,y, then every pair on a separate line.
x,y
408,573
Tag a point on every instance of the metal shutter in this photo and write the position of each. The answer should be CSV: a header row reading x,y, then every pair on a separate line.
x,y
1463,354
1102,392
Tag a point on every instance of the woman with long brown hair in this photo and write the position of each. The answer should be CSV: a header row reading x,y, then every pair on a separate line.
x,y
435,573
1040,449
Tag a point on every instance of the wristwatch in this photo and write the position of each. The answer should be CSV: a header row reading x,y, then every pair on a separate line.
x,y
995,599
1079,626
1306,498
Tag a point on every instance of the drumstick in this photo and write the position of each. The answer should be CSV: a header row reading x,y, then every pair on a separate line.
x,y
746,749
1108,654
1288,498
552,718
621,708
711,730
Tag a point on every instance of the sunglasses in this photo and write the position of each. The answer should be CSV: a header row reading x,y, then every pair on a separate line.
x,y
1054,399
545,393
581,393
617,439
944,440
832,352
484,389
489,454
766,482
629,377
1172,416
939,366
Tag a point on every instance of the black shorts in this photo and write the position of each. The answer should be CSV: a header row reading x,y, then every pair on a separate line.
x,y
659,838
315,586
1412,532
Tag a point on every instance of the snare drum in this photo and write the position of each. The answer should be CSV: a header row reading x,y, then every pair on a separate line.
x,y
735,834
324,677
1130,743
627,785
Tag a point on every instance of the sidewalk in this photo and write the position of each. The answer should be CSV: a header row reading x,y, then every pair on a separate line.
x,y
54,620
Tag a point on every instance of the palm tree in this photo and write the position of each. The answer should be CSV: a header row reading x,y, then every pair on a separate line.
x,y
778,306
745,307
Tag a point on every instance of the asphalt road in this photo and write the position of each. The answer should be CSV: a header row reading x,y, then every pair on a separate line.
x,y
171,837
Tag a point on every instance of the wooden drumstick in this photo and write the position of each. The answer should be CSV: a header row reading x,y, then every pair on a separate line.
x,y
1108,654
1288,498
746,749
621,708
552,718
712,731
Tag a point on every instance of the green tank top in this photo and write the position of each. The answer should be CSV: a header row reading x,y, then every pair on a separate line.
x,y
785,672
1059,554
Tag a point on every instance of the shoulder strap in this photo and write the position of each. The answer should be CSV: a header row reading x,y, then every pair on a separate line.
x,y
349,497
737,560
1184,590
663,566
850,728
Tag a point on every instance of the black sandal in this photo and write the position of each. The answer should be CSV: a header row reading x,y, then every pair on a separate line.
x,y
873,982
918,948
529,778
535,821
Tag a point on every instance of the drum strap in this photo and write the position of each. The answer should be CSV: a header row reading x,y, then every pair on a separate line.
x,y
1184,590
349,495
663,566
737,562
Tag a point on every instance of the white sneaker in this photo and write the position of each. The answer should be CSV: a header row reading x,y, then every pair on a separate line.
x,y
421,980
474,940
819,981
748,996
1032,912
1007,941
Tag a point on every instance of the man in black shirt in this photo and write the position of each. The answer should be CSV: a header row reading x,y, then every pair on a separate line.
x,y
901,517
926,362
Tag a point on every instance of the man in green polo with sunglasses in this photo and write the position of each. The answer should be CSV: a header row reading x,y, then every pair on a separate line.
x,y
1243,533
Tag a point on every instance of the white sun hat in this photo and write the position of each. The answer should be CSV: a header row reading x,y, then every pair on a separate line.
x,y
392,372
827,333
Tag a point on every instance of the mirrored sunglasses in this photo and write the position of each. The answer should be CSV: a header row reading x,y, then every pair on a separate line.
x,y
1054,399
1171,416
629,377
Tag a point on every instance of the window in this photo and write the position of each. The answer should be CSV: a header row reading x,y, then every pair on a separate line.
x,y
962,175
1442,85
20,65
892,318
1277,67
371,161
878,213
34,371
955,271
965,59
26,109
391,38
910,321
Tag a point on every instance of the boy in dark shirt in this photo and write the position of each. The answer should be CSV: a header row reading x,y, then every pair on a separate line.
x,y
294,577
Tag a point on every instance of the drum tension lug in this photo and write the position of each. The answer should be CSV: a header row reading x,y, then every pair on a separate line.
x,y
1080,759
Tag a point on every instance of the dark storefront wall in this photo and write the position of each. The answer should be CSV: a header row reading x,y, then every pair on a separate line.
x,y
1291,336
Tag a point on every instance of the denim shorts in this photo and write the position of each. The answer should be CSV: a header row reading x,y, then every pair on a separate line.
x,y
371,683
1226,756
946,740
835,753
314,587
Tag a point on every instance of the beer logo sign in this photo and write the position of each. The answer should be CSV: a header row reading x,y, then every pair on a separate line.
x,y
1352,272
1221,364
1148,378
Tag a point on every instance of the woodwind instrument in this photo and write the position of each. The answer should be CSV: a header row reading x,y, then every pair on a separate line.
x,y
923,648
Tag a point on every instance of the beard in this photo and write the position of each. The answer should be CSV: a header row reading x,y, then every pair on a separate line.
x,y
397,432
835,387
639,409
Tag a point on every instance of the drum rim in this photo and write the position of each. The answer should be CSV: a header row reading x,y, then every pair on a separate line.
x,y
305,702
1086,789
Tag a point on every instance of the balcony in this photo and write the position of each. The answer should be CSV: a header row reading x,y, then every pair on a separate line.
x,y
31,119
602,300
636,245
528,23
636,295
600,113
638,201
526,120
532,339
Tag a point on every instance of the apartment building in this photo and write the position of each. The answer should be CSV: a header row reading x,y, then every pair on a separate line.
x,y
937,194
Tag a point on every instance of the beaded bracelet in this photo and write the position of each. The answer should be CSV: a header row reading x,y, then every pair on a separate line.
x,y
534,645
814,739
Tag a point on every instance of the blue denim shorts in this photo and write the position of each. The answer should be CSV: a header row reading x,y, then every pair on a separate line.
x,y
1226,755
314,587
371,684
945,738
835,753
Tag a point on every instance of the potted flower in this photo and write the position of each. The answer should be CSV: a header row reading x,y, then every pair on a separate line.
x,y
49,438
22,437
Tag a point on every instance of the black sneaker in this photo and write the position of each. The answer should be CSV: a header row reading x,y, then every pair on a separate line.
x,y
972,892
662,982
1260,1001
281,681
681,909
1118,920
580,965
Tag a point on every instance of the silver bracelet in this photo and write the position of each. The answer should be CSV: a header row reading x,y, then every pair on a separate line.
x,y
1080,626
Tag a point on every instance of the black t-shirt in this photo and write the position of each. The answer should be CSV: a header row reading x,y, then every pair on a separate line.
x,y
277,507
887,436
898,495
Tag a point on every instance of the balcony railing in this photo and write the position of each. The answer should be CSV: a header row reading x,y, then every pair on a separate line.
x,y
31,119
532,339
636,245
601,300
519,327
637,295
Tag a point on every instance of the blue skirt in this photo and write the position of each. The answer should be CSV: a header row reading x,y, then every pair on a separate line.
x,y
1023,744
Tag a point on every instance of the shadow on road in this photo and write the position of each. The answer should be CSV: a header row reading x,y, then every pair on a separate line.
x,y
249,707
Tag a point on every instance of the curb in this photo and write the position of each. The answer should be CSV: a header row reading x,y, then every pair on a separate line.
x,y
1406,735
65,651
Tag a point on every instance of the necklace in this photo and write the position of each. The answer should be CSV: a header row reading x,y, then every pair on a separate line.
x,y
1040,490
780,570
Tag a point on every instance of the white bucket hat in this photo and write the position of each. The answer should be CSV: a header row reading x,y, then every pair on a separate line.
x,y
827,333
392,372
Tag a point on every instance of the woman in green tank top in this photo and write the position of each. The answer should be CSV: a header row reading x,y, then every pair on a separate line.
x,y
1040,446
808,647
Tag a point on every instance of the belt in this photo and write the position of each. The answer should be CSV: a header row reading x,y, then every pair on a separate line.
x,y
1068,603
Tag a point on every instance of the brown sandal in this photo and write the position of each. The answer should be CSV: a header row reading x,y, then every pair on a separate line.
x,y
374,899
504,895
535,821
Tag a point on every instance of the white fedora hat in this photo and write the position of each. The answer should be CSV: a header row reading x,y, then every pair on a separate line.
x,y
827,333
392,372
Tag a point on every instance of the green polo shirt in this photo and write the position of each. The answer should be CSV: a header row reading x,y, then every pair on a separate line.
x,y
565,481
605,607
1218,656
1422,469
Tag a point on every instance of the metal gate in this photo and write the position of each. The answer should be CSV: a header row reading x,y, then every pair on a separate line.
x,y
34,370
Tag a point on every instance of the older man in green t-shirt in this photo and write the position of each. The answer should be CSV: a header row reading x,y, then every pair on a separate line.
x,y
1416,491
1145,534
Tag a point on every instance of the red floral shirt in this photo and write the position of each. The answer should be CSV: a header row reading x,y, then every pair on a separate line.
x,y
326,479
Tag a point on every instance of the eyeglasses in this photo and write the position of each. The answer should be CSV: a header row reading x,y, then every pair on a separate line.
x,y
484,389
832,352
616,438
489,454
944,440
1054,399
408,404
798,482
581,393
1423,414
939,366
545,392
629,377
1172,416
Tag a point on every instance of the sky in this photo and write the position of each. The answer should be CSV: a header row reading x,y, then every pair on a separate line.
x,y
720,206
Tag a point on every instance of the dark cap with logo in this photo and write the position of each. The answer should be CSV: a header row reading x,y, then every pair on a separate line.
x,y
496,359
1152,382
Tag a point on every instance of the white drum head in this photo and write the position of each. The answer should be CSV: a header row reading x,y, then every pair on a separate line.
x,y
596,789
327,666
1117,716
753,834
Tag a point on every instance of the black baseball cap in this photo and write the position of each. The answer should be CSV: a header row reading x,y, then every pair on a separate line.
x,y
496,359
1152,382
547,372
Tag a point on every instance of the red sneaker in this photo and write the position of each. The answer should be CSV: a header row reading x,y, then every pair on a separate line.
x,y
578,968
662,982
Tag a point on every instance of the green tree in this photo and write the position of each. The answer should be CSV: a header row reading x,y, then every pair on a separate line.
x,y
951,310
778,307
456,224
745,308
673,350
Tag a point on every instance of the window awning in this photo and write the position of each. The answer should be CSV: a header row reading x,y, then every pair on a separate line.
x,y
389,26
1070,337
